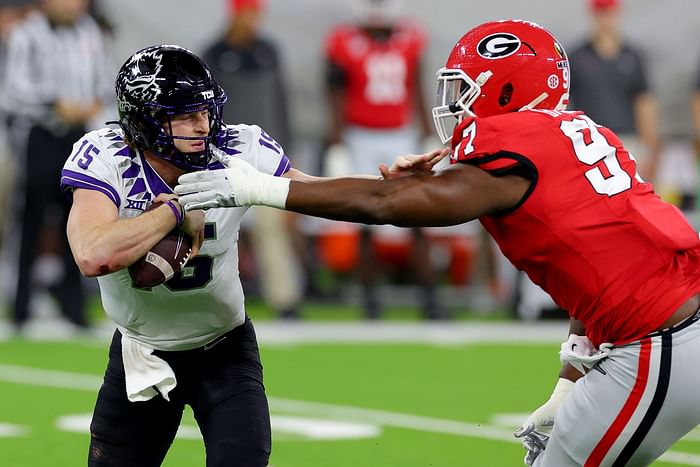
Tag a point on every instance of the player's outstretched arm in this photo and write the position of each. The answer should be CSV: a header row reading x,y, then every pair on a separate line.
x,y
453,196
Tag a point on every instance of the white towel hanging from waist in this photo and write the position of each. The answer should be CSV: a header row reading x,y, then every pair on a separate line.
x,y
146,374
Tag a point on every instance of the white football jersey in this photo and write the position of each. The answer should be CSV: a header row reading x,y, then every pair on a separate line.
x,y
204,300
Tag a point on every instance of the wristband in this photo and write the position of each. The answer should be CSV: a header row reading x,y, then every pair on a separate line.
x,y
178,211
273,191
562,389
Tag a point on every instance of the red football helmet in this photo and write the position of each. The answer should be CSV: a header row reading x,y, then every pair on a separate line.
x,y
499,67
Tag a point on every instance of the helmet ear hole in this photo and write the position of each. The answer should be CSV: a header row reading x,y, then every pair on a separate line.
x,y
506,94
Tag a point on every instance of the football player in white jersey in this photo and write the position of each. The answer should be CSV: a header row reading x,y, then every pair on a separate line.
x,y
189,340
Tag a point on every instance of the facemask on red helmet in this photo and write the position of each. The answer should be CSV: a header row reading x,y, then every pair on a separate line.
x,y
500,67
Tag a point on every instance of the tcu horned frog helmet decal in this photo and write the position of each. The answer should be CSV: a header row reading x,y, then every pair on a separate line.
x,y
161,81
139,80
499,67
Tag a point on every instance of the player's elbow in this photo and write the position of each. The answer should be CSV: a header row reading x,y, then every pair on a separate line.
x,y
87,268
91,265
93,269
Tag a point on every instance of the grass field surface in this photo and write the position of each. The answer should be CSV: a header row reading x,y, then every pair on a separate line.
x,y
342,394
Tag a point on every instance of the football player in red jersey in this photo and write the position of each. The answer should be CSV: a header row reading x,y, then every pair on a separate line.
x,y
561,197
376,105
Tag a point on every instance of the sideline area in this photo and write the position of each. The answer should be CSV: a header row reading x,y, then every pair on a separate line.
x,y
291,332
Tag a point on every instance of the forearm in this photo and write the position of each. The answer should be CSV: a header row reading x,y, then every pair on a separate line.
x,y
109,247
570,373
405,202
453,196
343,198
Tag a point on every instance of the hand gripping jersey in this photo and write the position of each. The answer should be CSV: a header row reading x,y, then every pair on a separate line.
x,y
205,299
379,75
590,232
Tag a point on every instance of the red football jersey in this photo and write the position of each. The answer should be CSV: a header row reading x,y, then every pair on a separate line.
x,y
590,232
380,74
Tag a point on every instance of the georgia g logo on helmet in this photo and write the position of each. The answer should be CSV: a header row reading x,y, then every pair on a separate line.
x,y
498,45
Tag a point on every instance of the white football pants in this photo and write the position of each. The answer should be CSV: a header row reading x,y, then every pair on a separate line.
x,y
633,406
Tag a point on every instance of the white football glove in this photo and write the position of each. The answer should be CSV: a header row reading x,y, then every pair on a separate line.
x,y
536,430
533,442
240,184
579,352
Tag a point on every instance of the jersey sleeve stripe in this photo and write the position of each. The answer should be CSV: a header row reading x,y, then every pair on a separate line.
x,y
283,166
71,179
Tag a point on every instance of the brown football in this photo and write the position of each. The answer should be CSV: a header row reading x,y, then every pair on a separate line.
x,y
165,259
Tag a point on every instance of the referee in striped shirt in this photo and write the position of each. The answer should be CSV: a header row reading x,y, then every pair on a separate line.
x,y
58,77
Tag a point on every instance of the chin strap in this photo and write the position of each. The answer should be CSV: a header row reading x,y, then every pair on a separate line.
x,y
535,102
191,158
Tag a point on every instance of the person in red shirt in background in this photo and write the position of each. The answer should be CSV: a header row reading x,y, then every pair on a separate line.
x,y
376,105
561,196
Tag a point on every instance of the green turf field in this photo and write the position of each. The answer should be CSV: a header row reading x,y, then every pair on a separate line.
x,y
333,404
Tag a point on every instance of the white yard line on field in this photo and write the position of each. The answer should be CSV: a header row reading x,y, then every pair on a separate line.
x,y
299,428
393,419
82,382
49,378
8,430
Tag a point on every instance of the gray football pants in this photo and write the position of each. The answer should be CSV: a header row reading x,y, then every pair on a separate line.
x,y
633,406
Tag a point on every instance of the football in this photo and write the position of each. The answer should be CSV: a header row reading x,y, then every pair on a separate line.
x,y
165,259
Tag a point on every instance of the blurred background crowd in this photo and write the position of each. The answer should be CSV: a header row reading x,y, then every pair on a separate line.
x,y
343,86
